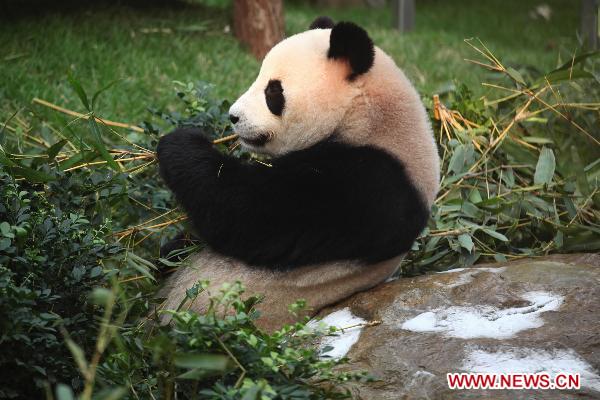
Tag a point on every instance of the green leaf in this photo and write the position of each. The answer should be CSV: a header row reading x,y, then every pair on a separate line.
x,y
4,228
559,239
580,177
4,160
500,257
211,362
564,75
98,144
578,60
63,392
475,196
508,177
4,243
53,150
140,265
77,158
470,210
570,206
32,175
567,71
21,171
79,90
252,340
457,161
267,361
544,170
591,165
494,234
466,241
516,75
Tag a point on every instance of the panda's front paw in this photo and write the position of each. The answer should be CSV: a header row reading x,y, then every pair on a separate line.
x,y
181,142
181,152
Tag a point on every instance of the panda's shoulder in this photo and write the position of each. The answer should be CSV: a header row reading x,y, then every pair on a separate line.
x,y
335,154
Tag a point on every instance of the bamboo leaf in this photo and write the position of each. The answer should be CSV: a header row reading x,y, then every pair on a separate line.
x,y
55,148
466,241
544,170
21,171
4,160
32,175
495,234
142,269
563,75
98,144
516,75
457,161
79,91
580,175
77,158
577,60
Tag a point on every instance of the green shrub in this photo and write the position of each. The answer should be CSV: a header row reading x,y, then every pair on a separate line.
x,y
222,355
50,258
520,170
76,296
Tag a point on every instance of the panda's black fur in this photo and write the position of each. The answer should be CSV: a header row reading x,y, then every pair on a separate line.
x,y
331,201
351,42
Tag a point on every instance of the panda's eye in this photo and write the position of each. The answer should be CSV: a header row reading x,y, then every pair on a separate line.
x,y
274,97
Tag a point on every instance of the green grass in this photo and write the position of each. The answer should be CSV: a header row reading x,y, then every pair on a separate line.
x,y
103,43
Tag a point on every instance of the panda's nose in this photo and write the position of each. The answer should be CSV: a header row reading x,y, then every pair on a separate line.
x,y
233,118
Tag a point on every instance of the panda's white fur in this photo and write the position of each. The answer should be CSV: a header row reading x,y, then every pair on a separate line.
x,y
378,108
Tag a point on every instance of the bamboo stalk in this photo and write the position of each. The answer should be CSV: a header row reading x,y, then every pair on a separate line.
x,y
112,123
90,164
84,116
225,139
129,231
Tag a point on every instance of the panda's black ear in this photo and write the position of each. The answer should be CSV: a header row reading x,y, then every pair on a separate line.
x,y
351,42
322,22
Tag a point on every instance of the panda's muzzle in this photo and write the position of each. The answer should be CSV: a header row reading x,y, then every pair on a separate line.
x,y
257,141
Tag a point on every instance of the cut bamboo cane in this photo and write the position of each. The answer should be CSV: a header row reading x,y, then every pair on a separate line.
x,y
79,115
111,123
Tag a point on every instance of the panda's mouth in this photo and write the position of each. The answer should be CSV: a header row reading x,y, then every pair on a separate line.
x,y
257,141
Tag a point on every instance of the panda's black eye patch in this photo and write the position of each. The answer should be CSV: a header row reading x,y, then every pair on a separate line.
x,y
274,96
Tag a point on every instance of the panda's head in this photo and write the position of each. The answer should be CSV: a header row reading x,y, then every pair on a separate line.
x,y
305,87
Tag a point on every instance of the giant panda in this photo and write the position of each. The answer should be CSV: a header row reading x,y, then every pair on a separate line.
x,y
354,170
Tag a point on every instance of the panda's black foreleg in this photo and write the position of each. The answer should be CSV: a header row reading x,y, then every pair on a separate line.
x,y
329,202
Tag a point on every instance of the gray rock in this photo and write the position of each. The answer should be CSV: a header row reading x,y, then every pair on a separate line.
x,y
530,315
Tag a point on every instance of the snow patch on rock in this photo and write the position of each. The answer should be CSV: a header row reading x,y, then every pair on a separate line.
x,y
486,321
344,339
525,360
